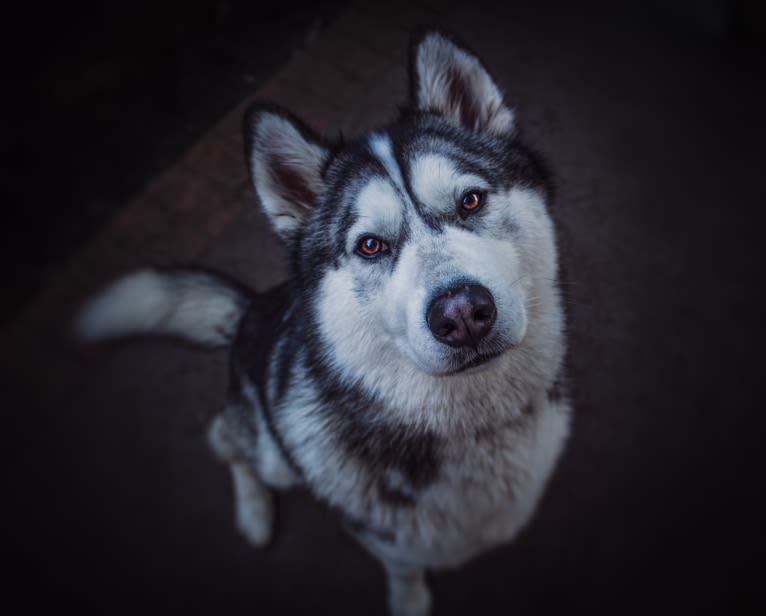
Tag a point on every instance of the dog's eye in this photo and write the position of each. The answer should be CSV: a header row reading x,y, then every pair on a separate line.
x,y
370,247
471,202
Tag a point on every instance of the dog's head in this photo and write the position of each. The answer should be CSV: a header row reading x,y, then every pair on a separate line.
x,y
421,244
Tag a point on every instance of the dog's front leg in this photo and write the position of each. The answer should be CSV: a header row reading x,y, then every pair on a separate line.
x,y
408,594
253,507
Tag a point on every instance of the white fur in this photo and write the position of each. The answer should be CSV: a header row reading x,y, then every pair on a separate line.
x,y
436,182
379,212
465,511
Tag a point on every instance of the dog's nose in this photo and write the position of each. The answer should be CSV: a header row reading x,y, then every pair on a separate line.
x,y
462,315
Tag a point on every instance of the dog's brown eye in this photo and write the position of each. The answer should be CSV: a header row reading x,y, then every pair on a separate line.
x,y
370,247
472,201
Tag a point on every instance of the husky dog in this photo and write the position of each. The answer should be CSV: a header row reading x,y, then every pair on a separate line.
x,y
408,373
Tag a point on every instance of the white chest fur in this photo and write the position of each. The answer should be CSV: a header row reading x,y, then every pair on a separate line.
x,y
486,488
487,491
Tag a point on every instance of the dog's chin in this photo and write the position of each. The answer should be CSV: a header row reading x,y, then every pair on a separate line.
x,y
446,361
478,363
466,364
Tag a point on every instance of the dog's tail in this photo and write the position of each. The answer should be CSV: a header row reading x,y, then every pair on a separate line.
x,y
193,304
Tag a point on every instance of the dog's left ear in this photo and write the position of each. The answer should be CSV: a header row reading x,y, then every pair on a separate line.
x,y
449,81
286,162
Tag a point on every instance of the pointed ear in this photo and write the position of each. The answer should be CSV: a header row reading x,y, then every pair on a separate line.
x,y
285,162
449,81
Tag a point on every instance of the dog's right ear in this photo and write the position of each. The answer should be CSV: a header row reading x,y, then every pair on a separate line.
x,y
449,81
285,161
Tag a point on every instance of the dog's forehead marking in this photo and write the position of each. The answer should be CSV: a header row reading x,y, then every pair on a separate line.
x,y
380,146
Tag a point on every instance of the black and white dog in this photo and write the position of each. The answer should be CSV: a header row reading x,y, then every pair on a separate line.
x,y
408,372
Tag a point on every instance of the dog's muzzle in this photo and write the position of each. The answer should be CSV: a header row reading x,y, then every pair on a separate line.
x,y
462,315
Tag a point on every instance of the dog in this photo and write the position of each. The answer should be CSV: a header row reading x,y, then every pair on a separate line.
x,y
409,373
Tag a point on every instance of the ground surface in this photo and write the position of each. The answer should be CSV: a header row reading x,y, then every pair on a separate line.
x,y
652,126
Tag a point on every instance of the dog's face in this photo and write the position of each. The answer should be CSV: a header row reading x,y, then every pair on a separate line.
x,y
420,243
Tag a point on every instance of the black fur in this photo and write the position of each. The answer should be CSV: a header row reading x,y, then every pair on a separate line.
x,y
261,327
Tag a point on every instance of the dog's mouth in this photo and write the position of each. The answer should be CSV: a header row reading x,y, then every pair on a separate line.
x,y
476,361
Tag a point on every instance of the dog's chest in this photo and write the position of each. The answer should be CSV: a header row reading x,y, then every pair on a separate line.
x,y
486,489
485,492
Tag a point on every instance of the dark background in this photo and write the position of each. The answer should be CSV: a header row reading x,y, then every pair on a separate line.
x,y
657,508
105,95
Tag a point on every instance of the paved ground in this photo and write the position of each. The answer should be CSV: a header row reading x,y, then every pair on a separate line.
x,y
114,504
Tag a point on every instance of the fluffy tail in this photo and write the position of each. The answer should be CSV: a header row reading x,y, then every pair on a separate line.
x,y
196,305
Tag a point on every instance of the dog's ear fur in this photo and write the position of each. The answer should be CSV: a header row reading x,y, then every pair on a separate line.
x,y
285,161
451,82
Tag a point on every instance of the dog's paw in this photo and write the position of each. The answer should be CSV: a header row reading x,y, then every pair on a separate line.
x,y
411,598
253,506
255,519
